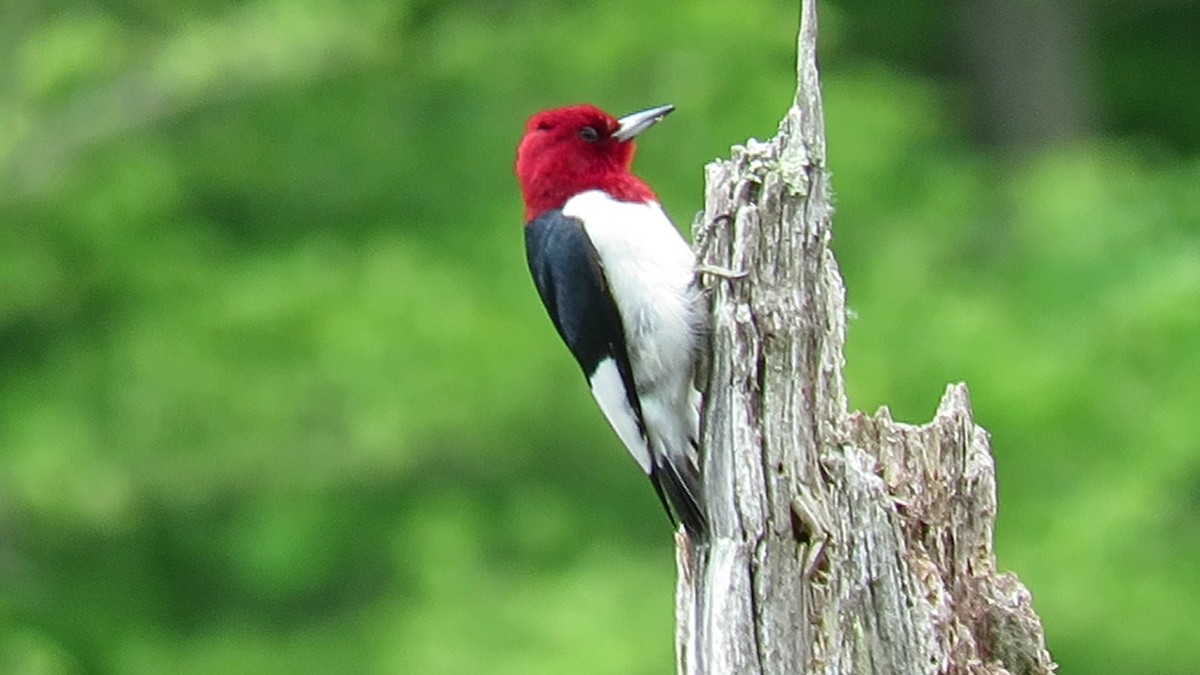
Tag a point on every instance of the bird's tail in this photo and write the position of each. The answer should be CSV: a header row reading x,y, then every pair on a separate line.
x,y
678,486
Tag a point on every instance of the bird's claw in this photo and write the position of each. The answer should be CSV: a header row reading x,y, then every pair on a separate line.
x,y
722,272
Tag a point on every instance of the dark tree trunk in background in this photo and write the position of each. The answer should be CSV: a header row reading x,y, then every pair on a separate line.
x,y
1030,69
841,543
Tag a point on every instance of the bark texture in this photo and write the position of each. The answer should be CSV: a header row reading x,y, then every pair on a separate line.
x,y
840,543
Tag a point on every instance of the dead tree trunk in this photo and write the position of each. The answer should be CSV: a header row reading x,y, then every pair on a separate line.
x,y
840,543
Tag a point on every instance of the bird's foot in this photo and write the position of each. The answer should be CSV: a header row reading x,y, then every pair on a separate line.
x,y
722,272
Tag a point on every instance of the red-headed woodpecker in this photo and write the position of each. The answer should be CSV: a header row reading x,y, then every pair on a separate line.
x,y
618,282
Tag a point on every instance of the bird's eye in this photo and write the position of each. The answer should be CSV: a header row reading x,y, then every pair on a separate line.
x,y
589,134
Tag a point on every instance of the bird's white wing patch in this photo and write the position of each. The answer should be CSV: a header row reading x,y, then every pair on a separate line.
x,y
609,391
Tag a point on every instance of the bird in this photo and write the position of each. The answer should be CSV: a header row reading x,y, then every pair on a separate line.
x,y
618,281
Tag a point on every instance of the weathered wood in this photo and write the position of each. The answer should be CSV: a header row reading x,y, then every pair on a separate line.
x,y
840,543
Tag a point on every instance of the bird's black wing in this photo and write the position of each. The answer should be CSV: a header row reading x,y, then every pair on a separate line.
x,y
573,288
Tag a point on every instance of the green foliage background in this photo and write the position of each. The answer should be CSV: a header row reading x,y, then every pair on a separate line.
x,y
277,396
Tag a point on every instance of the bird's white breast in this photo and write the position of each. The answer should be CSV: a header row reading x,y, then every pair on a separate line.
x,y
649,268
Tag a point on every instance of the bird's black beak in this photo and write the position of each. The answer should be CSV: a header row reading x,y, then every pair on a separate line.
x,y
635,123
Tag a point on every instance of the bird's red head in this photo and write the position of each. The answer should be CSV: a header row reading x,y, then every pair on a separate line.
x,y
566,151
